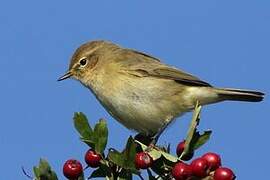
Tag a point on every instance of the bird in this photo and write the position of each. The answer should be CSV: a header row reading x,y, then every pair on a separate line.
x,y
139,90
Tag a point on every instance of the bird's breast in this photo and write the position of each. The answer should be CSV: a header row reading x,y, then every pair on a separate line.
x,y
142,104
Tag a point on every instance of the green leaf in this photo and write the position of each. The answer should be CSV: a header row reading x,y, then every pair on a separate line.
x,y
82,126
192,129
194,140
102,171
44,166
144,147
43,171
126,158
89,142
36,171
155,154
116,157
54,176
129,154
201,139
169,157
101,136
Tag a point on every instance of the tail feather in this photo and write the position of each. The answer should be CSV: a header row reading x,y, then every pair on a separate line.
x,y
240,95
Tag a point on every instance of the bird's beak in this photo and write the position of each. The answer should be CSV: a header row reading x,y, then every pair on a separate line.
x,y
65,76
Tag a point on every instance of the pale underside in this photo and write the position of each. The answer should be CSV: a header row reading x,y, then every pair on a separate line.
x,y
144,104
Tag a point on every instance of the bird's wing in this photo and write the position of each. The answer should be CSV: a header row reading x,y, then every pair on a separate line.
x,y
178,76
141,64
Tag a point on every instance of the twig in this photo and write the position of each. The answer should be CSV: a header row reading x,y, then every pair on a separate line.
x,y
25,173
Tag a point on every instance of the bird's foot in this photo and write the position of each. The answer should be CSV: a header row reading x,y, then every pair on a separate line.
x,y
149,141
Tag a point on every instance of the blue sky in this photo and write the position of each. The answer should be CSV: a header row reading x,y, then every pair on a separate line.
x,y
223,42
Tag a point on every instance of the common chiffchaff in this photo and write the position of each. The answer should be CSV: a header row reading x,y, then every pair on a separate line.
x,y
139,90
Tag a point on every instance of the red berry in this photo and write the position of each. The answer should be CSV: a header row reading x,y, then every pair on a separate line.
x,y
181,171
223,173
199,167
179,150
92,159
143,160
72,169
213,159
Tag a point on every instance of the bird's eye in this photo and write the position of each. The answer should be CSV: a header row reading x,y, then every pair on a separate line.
x,y
83,62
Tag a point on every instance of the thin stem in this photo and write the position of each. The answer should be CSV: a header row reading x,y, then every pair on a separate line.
x,y
25,173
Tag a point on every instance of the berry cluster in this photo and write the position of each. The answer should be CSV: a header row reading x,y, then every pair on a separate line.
x,y
139,154
136,156
207,165
73,169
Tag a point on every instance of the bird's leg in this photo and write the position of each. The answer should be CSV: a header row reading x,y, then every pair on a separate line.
x,y
161,130
158,134
150,141
145,139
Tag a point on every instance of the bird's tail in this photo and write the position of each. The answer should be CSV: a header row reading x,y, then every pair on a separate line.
x,y
239,95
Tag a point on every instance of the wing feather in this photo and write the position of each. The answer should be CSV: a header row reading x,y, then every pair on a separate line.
x,y
141,64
